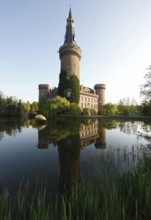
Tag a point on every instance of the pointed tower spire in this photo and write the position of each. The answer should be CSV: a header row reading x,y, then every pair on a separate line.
x,y
70,14
70,32
70,52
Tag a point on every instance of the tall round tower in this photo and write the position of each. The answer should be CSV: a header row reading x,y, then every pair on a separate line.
x,y
70,52
100,91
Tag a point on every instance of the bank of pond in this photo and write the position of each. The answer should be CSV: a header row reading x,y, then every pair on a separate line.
x,y
94,168
126,196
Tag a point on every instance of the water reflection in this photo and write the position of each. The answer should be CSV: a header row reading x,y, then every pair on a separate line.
x,y
95,132
54,132
12,126
69,160
136,127
70,137
9,127
64,150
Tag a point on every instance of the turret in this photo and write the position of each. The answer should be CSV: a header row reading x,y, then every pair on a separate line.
x,y
100,90
70,52
101,141
44,92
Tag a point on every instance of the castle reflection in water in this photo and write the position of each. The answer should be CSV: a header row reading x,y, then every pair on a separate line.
x,y
70,137
90,132
93,133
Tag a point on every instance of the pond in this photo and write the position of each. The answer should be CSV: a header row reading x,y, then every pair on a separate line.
x,y
69,149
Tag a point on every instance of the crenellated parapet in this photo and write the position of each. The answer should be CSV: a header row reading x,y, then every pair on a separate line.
x,y
44,92
70,50
70,57
99,86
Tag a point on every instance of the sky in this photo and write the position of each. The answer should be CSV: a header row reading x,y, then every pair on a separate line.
x,y
114,36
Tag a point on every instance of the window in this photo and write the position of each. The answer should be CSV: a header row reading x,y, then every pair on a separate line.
x,y
68,94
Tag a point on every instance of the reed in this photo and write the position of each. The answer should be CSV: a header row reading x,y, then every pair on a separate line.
x,y
126,196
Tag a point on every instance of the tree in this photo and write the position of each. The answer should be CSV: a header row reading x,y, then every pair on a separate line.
x,y
11,104
128,106
34,107
145,90
2,101
1,95
74,109
86,112
110,109
59,106
55,106
25,106
146,108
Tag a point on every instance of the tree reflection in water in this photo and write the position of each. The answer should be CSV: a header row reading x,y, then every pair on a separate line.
x,y
70,136
139,128
69,160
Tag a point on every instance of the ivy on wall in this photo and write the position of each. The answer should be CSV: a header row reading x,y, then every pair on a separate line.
x,y
69,87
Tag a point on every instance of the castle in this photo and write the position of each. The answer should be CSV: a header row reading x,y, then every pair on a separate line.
x,y
70,56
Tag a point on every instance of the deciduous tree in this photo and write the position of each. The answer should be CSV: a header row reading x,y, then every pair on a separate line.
x,y
146,87
110,109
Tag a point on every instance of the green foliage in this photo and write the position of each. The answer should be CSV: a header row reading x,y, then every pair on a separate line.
x,y
58,130
62,83
2,101
10,106
69,87
74,85
25,106
44,108
74,110
110,124
34,107
127,107
59,106
110,109
86,112
146,108
145,90
125,196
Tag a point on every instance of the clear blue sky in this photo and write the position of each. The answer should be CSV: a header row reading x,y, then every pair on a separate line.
x,y
114,36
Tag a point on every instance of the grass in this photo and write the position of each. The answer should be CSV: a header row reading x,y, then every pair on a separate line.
x,y
123,197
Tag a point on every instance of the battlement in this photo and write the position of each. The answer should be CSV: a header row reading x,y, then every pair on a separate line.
x,y
44,92
100,86
70,50
44,86
70,56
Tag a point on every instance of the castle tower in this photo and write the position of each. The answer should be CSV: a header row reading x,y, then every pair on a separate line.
x,y
44,92
70,52
100,90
